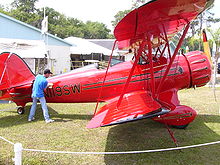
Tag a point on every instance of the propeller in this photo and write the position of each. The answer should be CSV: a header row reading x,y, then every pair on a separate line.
x,y
212,60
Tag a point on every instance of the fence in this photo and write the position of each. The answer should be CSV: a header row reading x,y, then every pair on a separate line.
x,y
18,149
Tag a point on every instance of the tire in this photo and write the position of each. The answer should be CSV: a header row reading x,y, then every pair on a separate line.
x,y
20,110
180,126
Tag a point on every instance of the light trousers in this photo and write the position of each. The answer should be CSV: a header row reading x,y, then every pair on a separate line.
x,y
43,106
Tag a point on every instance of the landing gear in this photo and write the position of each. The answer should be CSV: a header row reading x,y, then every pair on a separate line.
x,y
180,126
20,110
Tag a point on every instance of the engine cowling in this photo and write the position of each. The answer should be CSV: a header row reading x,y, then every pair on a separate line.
x,y
200,68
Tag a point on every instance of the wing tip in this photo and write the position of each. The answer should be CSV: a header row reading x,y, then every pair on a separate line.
x,y
97,120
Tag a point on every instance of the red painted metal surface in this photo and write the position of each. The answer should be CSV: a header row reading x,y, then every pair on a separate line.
x,y
181,115
156,18
11,74
134,104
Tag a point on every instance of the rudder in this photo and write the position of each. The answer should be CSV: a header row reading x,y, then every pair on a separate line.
x,y
14,71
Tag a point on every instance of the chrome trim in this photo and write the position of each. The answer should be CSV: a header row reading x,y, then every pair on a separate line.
x,y
202,60
201,77
200,69
14,93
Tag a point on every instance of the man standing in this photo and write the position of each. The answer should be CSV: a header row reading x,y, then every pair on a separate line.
x,y
40,84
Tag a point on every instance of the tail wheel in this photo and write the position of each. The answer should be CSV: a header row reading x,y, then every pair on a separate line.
x,y
20,110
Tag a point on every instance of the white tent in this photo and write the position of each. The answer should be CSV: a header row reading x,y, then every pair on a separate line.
x,y
86,47
23,48
29,50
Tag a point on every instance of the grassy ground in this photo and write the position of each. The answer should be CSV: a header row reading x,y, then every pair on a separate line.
x,y
69,133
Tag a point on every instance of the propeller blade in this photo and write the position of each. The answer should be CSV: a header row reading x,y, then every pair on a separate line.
x,y
206,46
208,54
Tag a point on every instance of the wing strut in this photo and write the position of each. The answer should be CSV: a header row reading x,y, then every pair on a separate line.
x,y
140,50
109,63
167,42
151,66
173,57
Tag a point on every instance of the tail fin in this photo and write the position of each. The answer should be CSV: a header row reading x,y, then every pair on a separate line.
x,y
14,71
206,45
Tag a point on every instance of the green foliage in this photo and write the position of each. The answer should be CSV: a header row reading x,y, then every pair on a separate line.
x,y
215,36
95,30
138,3
193,43
30,18
58,24
62,26
27,6
3,10
121,14
118,17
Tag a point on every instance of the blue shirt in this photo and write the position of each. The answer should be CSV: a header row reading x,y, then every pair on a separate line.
x,y
40,84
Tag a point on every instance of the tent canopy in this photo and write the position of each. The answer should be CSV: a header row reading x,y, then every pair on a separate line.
x,y
86,47
24,48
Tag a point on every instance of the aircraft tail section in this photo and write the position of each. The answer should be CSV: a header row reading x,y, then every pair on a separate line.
x,y
14,71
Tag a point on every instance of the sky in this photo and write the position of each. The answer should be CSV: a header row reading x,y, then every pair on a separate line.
x,y
94,10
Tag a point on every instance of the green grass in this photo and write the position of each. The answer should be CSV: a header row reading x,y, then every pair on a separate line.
x,y
69,133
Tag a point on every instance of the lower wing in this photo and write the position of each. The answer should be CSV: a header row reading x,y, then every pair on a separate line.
x,y
134,106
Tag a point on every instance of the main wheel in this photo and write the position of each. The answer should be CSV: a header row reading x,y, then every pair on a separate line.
x,y
20,110
180,126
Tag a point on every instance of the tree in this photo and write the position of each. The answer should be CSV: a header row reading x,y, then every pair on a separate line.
x,y
27,6
138,3
95,30
58,24
118,17
121,14
25,11
194,43
216,41
3,10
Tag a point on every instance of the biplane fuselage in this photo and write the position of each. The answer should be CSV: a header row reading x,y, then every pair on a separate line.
x,y
85,85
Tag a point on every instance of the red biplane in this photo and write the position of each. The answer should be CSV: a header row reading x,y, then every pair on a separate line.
x,y
145,87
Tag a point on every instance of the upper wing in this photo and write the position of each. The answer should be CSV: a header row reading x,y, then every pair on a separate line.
x,y
135,105
156,18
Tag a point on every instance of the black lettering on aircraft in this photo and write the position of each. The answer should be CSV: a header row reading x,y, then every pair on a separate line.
x,y
76,88
49,92
66,90
59,91
63,90
53,92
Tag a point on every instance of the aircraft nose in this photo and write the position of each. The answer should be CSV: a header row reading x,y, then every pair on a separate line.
x,y
200,68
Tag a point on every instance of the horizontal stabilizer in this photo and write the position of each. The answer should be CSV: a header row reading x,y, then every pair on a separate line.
x,y
134,106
